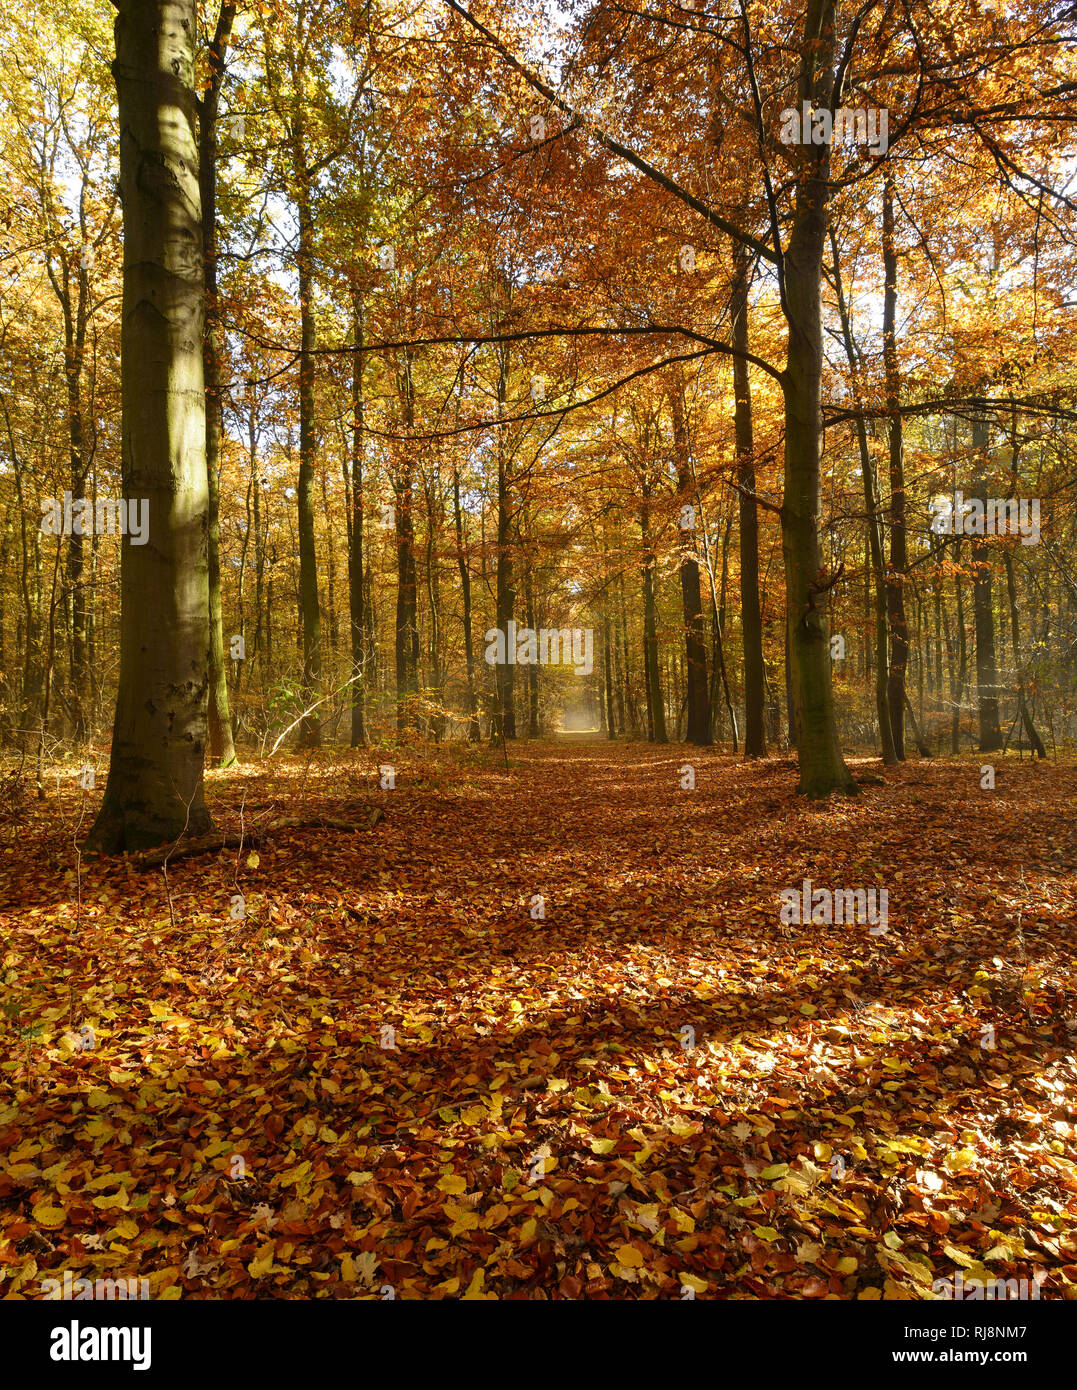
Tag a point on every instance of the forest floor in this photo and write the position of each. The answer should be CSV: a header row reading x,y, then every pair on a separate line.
x,y
388,1080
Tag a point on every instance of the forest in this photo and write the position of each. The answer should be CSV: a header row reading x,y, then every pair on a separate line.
x,y
538,653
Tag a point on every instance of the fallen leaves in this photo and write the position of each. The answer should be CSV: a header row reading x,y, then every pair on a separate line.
x,y
358,1091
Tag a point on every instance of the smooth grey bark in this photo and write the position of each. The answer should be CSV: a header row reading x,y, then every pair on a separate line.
x,y
221,744
407,615
504,721
154,790
897,620
873,512
807,582
983,604
698,694
473,729
355,531
751,620
656,713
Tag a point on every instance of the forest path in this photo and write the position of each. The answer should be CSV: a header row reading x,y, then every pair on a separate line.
x,y
362,1080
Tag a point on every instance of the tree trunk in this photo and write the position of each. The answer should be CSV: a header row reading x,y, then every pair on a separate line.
x,y
699,715
355,539
1023,711
611,727
473,731
807,584
505,672
751,621
873,512
75,339
221,746
656,714
533,730
310,612
895,585
982,605
154,789
407,617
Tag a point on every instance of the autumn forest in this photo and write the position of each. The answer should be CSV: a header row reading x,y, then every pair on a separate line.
x,y
538,659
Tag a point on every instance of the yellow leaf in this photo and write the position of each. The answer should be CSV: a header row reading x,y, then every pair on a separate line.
x,y
452,1184
347,1268
847,1264
684,1127
628,1256
97,1098
253,860
694,1282
527,1230
51,1217
113,1199
126,1229
474,1289
602,1146
262,1263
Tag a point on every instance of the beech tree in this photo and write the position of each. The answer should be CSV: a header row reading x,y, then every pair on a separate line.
x,y
154,789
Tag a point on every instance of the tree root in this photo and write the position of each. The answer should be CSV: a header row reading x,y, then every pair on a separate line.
x,y
206,844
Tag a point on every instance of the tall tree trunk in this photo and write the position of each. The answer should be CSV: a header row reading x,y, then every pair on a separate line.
x,y
310,612
611,726
533,730
895,588
983,603
407,615
807,584
873,513
221,746
154,789
656,714
75,335
473,731
751,621
699,715
74,302
355,540
963,655
505,672
1023,711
